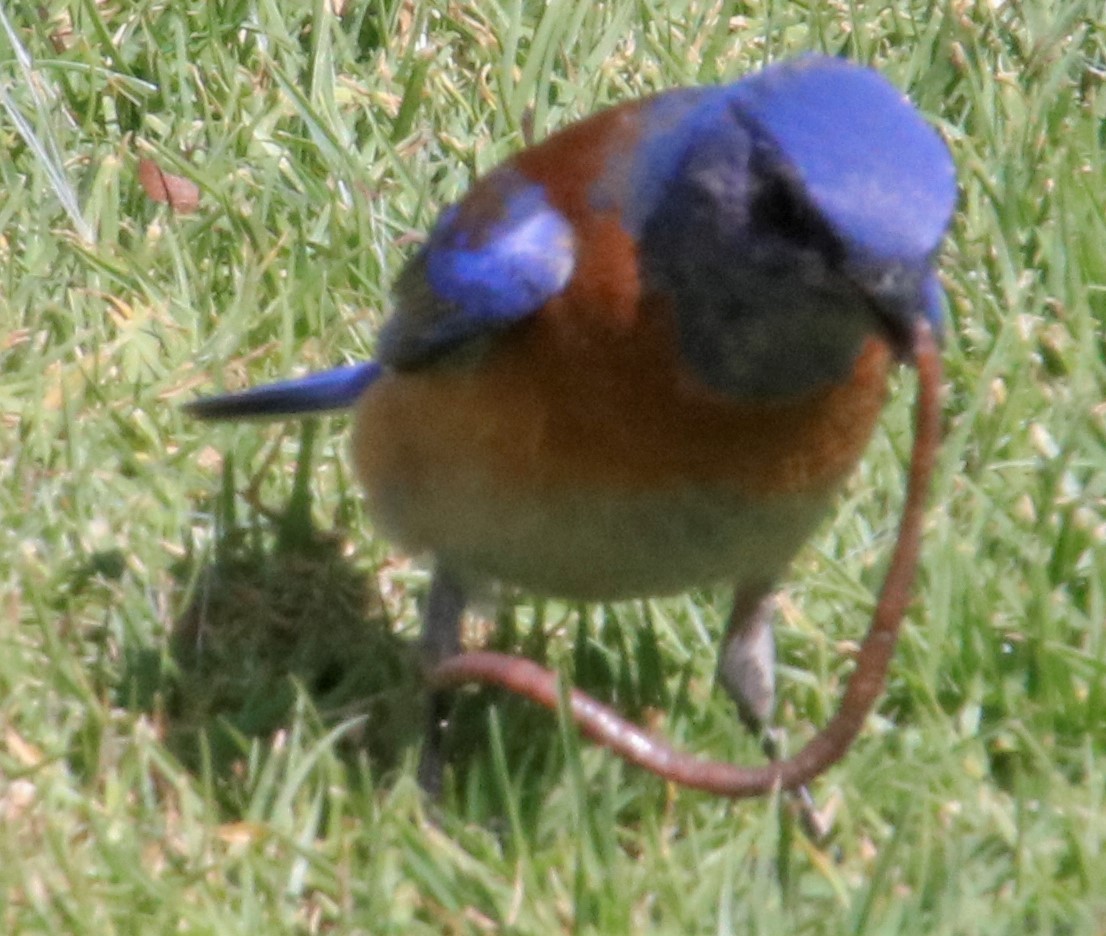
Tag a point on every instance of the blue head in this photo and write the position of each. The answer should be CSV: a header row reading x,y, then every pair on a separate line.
x,y
801,210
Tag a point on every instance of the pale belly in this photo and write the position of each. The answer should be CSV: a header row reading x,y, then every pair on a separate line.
x,y
592,545
587,544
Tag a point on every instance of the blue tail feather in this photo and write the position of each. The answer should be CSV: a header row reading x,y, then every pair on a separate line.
x,y
316,393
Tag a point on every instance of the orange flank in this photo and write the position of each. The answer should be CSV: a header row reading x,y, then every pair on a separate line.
x,y
558,405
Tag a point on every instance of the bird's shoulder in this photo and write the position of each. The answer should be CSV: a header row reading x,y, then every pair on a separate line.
x,y
559,217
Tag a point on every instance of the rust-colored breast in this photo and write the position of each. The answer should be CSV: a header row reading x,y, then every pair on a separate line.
x,y
557,405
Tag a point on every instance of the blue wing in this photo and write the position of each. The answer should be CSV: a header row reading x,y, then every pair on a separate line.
x,y
316,393
493,259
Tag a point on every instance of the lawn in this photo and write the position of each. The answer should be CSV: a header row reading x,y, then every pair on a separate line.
x,y
209,705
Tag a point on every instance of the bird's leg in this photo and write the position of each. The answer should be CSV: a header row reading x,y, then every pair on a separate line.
x,y
747,662
441,639
747,670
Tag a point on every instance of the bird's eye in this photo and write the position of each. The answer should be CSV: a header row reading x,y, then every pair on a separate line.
x,y
776,209
780,211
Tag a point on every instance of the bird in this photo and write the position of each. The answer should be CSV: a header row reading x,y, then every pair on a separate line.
x,y
643,355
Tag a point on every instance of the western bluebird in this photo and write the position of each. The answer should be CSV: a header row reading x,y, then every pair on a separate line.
x,y
643,355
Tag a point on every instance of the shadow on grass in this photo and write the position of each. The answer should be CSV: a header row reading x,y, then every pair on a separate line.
x,y
278,615
281,613
261,629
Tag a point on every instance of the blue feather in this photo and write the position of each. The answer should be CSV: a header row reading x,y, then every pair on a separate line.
x,y
493,259
315,393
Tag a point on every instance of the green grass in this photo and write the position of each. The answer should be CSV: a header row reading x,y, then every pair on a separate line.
x,y
207,712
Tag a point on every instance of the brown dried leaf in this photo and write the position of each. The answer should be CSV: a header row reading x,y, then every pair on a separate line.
x,y
179,193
